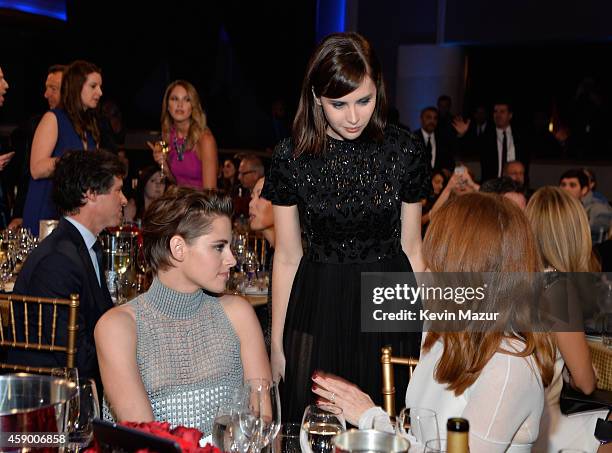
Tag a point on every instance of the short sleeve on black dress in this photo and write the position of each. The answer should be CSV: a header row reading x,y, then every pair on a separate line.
x,y
280,183
416,181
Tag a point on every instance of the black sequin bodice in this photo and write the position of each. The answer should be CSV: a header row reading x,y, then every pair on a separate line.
x,y
349,197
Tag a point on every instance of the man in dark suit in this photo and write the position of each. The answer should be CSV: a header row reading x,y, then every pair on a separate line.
x,y
498,145
21,141
438,148
479,125
87,191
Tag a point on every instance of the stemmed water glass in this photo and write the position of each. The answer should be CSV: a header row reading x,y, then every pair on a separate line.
x,y
320,424
260,415
418,422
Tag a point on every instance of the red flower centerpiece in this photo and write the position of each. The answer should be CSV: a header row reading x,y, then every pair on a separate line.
x,y
187,438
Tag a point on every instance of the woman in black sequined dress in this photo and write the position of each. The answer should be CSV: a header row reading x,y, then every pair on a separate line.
x,y
354,186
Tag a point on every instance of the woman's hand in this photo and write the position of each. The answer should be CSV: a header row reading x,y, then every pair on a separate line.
x,y
158,155
5,159
345,395
277,362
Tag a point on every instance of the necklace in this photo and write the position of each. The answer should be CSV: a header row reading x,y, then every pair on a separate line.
x,y
180,149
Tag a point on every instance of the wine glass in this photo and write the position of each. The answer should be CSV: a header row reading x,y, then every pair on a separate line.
x,y
80,427
418,422
260,416
319,426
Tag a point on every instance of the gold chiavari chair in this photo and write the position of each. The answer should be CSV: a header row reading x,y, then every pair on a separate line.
x,y
33,308
388,387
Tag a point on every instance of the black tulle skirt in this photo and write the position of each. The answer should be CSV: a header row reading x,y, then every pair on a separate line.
x,y
323,332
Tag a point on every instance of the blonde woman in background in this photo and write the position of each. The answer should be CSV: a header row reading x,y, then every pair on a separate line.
x,y
563,237
192,159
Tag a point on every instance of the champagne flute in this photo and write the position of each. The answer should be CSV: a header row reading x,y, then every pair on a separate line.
x,y
319,426
165,150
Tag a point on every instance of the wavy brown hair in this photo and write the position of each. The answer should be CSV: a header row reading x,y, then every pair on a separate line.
x,y
484,233
197,122
562,231
73,79
337,67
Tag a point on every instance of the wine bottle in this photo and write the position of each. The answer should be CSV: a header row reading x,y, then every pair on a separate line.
x,y
458,430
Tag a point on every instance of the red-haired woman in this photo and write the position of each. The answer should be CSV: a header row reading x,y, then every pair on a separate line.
x,y
493,378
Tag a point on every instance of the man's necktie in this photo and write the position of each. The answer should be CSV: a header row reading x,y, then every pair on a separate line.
x,y
504,157
428,146
97,248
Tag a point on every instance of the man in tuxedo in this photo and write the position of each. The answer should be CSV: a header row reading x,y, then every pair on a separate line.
x,y
436,146
501,144
497,145
479,125
87,191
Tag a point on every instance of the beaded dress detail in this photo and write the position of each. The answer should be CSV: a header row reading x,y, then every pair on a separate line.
x,y
188,355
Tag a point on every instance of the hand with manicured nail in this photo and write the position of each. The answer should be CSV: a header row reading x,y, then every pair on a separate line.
x,y
344,394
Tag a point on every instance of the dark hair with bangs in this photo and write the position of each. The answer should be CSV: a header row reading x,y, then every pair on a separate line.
x,y
336,68
181,211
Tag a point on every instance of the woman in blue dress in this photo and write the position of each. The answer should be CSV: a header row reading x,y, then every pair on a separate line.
x,y
354,185
71,126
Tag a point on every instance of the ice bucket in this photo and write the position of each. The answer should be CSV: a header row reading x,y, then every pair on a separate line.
x,y
369,441
33,403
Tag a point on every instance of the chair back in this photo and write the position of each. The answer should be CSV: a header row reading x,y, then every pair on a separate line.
x,y
24,334
388,379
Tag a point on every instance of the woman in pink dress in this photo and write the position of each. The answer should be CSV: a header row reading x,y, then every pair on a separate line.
x,y
192,160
